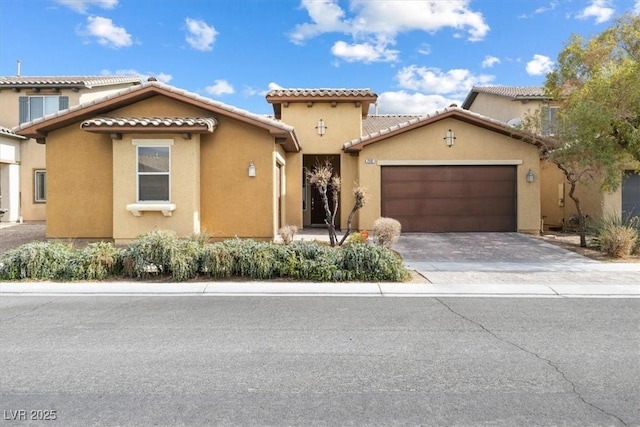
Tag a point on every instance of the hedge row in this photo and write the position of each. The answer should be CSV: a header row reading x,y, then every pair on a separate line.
x,y
161,253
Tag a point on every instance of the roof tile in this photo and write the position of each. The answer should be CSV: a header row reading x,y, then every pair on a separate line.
x,y
86,81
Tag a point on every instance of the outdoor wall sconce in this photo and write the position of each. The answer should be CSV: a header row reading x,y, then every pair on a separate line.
x,y
530,176
252,169
450,138
322,127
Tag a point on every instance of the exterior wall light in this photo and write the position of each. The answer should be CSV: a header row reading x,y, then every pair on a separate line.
x,y
322,127
530,176
450,138
252,169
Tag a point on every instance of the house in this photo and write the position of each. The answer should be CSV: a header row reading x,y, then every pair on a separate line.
x,y
9,175
513,104
154,156
22,99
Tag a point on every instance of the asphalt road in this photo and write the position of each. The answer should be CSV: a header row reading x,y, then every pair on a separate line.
x,y
171,361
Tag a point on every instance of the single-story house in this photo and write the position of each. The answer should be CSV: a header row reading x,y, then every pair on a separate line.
x,y
157,157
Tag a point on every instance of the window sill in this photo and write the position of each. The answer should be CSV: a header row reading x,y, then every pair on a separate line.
x,y
136,209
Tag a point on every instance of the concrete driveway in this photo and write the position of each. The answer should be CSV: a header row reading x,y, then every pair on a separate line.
x,y
500,258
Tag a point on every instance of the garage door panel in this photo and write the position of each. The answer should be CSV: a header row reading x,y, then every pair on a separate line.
x,y
450,198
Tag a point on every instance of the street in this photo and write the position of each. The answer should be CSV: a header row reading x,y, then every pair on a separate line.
x,y
154,360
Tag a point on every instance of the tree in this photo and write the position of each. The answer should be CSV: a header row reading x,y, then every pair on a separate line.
x,y
596,84
322,177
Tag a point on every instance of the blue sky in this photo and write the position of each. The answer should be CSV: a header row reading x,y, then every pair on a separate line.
x,y
418,56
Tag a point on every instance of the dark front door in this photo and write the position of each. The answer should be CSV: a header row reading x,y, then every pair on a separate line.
x,y
631,195
450,198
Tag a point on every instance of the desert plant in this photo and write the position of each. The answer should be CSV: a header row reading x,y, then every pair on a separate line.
x,y
372,263
217,261
150,254
618,237
96,261
36,260
386,231
287,233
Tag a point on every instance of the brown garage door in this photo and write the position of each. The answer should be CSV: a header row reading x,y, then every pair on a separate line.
x,y
450,198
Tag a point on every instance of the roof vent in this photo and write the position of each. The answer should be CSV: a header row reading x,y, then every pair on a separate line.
x,y
454,105
152,79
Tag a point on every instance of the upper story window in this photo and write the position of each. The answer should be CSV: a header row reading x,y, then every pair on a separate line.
x,y
154,173
549,120
33,107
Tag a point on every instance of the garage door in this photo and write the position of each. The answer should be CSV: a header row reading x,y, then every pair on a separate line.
x,y
631,194
450,198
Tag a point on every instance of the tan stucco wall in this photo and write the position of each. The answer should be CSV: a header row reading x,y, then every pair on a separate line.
x,y
33,154
80,182
184,187
344,123
234,204
474,145
503,108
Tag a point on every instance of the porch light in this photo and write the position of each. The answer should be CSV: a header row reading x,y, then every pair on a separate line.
x,y
530,176
450,138
322,127
252,169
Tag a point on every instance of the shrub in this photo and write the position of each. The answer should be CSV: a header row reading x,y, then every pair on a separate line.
x,y
217,261
36,261
185,260
149,254
386,231
372,263
617,237
287,233
96,261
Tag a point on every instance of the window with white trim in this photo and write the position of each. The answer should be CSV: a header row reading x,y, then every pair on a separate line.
x,y
549,120
154,173
34,107
39,186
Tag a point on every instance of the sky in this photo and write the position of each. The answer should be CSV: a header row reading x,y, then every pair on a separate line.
x,y
418,56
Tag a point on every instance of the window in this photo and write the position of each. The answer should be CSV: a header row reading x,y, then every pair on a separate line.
x,y
549,120
33,107
154,173
40,186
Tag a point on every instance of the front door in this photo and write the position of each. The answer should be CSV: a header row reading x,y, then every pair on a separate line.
x,y
316,213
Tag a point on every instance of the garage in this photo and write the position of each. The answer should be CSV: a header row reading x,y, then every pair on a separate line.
x,y
631,194
474,198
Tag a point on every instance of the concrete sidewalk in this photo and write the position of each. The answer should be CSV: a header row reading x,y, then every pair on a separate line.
x,y
516,289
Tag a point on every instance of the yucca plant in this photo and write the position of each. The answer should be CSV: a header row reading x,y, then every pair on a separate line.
x,y
618,237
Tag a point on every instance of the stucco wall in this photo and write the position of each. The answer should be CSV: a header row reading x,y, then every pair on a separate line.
x,y
473,145
344,123
80,183
184,187
503,108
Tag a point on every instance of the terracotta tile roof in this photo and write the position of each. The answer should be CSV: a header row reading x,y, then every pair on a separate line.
x,y
8,132
69,81
416,121
320,93
171,89
513,92
148,122
372,124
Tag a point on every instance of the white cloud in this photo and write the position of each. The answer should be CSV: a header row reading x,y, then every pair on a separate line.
x,y
81,6
364,52
220,87
425,49
382,21
107,33
489,61
636,9
601,10
455,82
540,65
144,75
251,91
412,103
201,35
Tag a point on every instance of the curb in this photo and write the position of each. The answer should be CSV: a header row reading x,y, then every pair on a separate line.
x,y
320,289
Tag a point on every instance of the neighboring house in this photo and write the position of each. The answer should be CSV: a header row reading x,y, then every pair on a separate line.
x,y
25,98
9,175
513,104
157,157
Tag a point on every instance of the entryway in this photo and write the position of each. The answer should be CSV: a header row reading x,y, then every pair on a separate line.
x,y
313,209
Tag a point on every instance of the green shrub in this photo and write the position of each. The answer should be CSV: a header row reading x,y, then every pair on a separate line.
x,y
185,260
149,254
371,263
386,231
217,261
96,261
617,237
36,261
